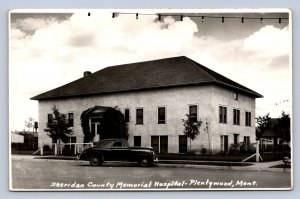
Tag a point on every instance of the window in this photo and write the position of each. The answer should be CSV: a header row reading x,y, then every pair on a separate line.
x,y
222,114
50,120
163,144
248,118
71,119
224,143
137,140
182,144
247,141
236,117
139,116
117,144
161,115
193,115
236,96
155,143
235,138
159,144
127,115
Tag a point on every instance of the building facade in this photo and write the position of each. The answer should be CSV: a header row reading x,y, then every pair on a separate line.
x,y
154,105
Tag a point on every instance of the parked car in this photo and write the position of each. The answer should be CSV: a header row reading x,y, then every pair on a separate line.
x,y
117,150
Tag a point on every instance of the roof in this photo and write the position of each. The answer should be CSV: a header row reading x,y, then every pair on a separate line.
x,y
274,130
155,74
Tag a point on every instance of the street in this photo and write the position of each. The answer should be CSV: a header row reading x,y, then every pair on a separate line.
x,y
77,175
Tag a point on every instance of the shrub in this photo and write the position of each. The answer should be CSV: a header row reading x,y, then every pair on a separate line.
x,y
234,148
203,151
46,148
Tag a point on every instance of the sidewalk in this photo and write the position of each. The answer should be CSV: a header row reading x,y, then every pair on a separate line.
x,y
253,166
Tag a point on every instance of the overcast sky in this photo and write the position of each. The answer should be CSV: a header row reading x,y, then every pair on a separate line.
x,y
47,50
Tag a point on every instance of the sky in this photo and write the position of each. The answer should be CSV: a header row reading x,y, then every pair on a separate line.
x,y
47,50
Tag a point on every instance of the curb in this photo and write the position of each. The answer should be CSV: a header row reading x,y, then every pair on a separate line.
x,y
171,165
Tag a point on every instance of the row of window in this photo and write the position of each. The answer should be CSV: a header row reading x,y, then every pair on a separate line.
x,y
224,141
193,115
236,116
161,116
160,142
70,118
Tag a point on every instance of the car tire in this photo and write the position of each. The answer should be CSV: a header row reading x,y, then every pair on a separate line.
x,y
96,160
144,162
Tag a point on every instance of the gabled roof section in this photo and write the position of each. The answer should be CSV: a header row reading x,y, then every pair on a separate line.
x,y
155,74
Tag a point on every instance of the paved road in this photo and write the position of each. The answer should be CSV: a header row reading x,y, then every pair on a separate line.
x,y
44,174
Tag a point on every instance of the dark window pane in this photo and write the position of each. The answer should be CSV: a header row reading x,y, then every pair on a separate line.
x,y
234,116
137,140
223,114
238,117
155,143
161,115
49,119
163,144
247,141
225,143
182,144
71,119
126,115
236,96
193,113
236,137
117,144
220,114
139,116
248,119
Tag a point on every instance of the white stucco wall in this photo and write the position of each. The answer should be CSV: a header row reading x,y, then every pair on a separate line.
x,y
176,100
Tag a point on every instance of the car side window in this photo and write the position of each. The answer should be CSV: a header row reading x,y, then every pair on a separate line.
x,y
117,144
106,145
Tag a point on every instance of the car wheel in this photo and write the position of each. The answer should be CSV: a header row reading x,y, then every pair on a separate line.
x,y
144,162
96,161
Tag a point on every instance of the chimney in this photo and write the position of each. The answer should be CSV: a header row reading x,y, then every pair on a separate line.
x,y
87,73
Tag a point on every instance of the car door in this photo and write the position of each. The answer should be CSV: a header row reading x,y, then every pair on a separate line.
x,y
120,151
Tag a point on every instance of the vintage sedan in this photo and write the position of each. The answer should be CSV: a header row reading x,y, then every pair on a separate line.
x,y
118,150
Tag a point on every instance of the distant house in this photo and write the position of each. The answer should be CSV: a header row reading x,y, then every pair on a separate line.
x,y
275,134
24,141
17,138
155,96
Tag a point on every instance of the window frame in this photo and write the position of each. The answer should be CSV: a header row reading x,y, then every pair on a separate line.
x,y
247,141
165,115
236,116
193,105
127,118
49,118
236,137
71,113
160,145
248,118
137,121
222,114
236,96
134,140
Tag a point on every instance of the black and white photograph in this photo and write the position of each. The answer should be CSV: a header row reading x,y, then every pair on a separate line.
x,y
150,99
